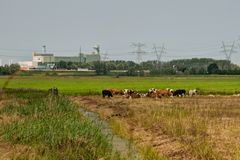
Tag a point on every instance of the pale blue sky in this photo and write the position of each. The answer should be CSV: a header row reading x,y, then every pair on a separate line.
x,y
188,28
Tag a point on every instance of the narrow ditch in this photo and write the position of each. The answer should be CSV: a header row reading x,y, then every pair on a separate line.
x,y
121,145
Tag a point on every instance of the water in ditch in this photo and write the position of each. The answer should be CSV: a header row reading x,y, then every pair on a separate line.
x,y
121,145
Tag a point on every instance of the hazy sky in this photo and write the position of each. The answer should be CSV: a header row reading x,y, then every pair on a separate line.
x,y
188,28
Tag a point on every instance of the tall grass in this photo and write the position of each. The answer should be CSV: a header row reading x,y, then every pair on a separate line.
x,y
54,127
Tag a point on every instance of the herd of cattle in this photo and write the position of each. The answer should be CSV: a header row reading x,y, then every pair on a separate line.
x,y
152,92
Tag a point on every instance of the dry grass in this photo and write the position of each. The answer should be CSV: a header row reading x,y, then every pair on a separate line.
x,y
179,128
8,118
9,151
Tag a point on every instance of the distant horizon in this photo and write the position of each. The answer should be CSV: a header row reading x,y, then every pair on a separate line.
x,y
187,28
164,61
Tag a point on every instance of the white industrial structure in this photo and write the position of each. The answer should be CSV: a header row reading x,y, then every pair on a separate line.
x,y
25,65
48,61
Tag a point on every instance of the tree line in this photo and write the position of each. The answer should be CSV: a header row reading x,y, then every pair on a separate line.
x,y
194,66
9,69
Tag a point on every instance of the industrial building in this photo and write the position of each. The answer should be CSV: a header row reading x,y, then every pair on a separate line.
x,y
83,58
47,61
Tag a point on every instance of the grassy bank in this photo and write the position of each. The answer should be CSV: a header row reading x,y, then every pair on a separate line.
x,y
50,128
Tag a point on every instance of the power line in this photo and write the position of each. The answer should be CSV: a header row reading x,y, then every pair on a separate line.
x,y
18,56
18,50
239,42
31,50
105,56
210,54
159,51
44,49
193,49
228,50
139,51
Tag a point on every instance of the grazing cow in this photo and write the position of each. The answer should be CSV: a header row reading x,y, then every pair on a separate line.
x,y
164,92
125,91
192,92
116,91
158,93
152,90
128,91
236,95
211,95
170,90
179,92
134,95
107,93
153,95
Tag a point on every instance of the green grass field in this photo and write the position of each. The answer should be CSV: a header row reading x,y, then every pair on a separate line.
x,y
94,84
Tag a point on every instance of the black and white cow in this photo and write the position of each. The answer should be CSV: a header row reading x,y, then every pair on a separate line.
x,y
179,92
107,93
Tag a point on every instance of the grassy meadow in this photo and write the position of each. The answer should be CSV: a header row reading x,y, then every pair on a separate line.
x,y
94,84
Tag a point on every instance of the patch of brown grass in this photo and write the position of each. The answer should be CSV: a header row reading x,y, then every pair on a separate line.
x,y
8,119
8,151
179,128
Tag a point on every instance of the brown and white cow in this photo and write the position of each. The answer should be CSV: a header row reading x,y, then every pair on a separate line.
x,y
164,92
134,95
116,91
129,93
158,93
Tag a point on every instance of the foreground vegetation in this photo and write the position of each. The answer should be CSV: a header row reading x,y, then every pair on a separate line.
x,y
177,128
94,84
33,127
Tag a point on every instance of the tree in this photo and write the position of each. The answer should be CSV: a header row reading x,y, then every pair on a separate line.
x,y
14,68
213,68
7,70
131,71
202,71
63,64
101,68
